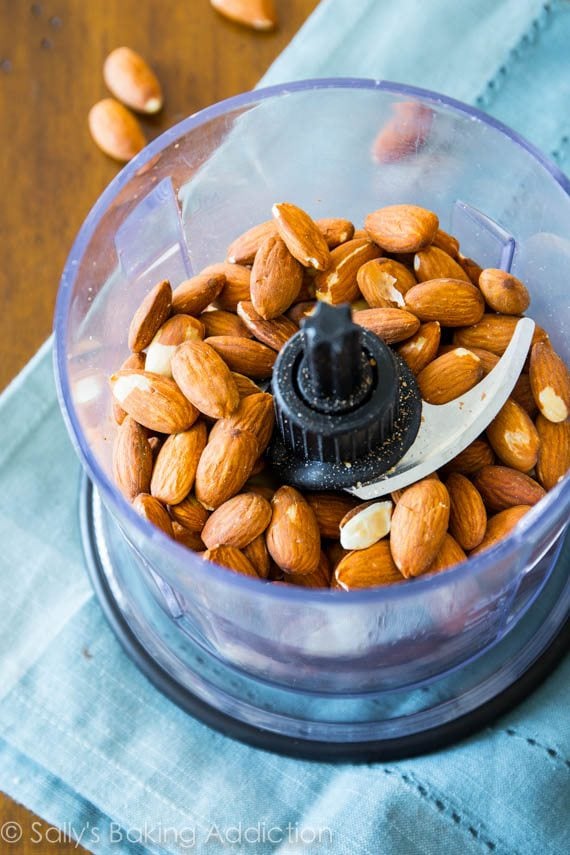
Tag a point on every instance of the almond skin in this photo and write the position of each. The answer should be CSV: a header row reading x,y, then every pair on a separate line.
x,y
153,401
150,316
434,263
449,376
449,555
132,459
402,228
452,302
257,14
245,386
447,243
220,322
503,292
244,355
136,361
151,510
522,394
419,350
471,268
300,311
237,285
419,524
187,538
176,464
193,295
132,81
367,568
237,522
500,526
479,453
467,515
225,465
513,437
383,283
274,333
190,514
255,415
321,578
276,278
338,283
232,558
330,509
243,249
302,235
256,552
335,230
293,537
162,348
205,379
554,452
391,325
502,487
115,130
493,332
550,382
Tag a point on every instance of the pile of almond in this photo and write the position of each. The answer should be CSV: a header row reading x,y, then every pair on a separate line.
x,y
194,423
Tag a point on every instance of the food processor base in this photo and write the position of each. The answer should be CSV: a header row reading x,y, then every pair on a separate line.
x,y
149,623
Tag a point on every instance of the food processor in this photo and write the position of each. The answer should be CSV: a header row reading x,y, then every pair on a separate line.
x,y
370,674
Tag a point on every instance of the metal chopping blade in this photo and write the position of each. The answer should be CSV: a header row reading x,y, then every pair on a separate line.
x,y
447,429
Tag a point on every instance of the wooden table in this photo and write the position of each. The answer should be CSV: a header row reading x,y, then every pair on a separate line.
x,y
51,173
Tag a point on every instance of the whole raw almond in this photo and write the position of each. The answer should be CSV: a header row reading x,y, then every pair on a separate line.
x,y
220,322
367,568
501,525
329,509
383,283
193,295
522,394
452,302
274,333
554,452
402,228
335,554
190,514
153,401
365,525
449,376
232,558
467,514
471,268
243,249
300,311
391,325
115,130
150,316
132,459
136,361
162,348
276,278
255,414
244,355
335,230
338,283
175,468
550,382
225,465
419,524
132,81
154,512
302,235
493,332
502,487
446,242
237,285
419,350
205,379
257,14
396,495
449,555
293,537
187,538
321,578
237,522
245,386
479,453
256,552
503,292
434,263
488,360
513,437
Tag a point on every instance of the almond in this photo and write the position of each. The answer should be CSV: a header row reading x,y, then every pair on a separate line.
x,y
522,394
504,292
256,552
225,465
205,379
232,558
115,130
488,360
244,247
132,81
367,568
502,487
450,553
447,243
193,295
479,453
335,230
150,316
500,526
467,515
391,325
396,495
255,415
244,355
321,578
293,538
190,514
220,322
245,386
493,332
274,333
187,538
450,301
554,452
449,376
276,278
513,437
338,284
162,348
302,235
383,283
419,524
132,459
151,510
550,382
153,401
237,285
366,524
419,350
300,311
237,522
471,268
402,228
329,509
176,464
433,263
404,134
258,14
335,554
136,361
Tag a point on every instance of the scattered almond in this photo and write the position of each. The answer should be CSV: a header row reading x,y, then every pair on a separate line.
x,y
492,332
447,243
256,552
238,521
449,555
237,287
329,509
255,414
220,322
335,230
257,14
225,465
321,578
132,81
479,453
115,130
244,248
190,514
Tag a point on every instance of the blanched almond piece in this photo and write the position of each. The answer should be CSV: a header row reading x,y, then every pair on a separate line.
x,y
258,14
176,464
493,332
237,522
391,325
132,459
402,228
302,235
193,295
153,401
513,437
132,81
434,263
321,578
335,230
225,465
365,525
190,514
504,292
500,526
383,283
205,379
232,558
419,350
115,130
220,322
550,382
367,568
449,376
151,510
150,316
338,283
134,360
244,355
502,487
554,452
243,249
255,414
162,348
293,537
276,278
450,553
467,515
256,552
329,509
419,525
452,302
273,333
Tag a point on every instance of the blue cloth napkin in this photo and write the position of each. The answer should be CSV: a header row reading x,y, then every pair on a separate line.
x,y
85,740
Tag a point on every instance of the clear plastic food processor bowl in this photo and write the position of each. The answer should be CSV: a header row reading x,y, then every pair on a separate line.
x,y
297,663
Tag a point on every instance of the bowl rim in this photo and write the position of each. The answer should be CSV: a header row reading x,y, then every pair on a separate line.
x,y
501,552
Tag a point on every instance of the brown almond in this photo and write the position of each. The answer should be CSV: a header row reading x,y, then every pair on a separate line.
x,y
450,301
522,394
338,283
220,322
402,228
367,568
132,80
193,295
467,515
396,495
150,316
255,415
449,376
383,283
293,537
232,559
132,459
225,465
446,242
244,355
449,555
335,230
187,538
502,487
503,292
419,350
243,249
391,325
300,311
493,332
433,263
419,524
276,278
479,453
471,268
190,514
488,360
554,452
205,379
321,578
115,130
501,525
513,437
302,235
274,333
236,288
151,510
237,522
550,382
136,361
330,509
175,331
245,386
257,14
153,401
256,552
175,468
335,554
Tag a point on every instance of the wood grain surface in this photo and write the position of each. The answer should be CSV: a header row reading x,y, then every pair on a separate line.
x,y
51,173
